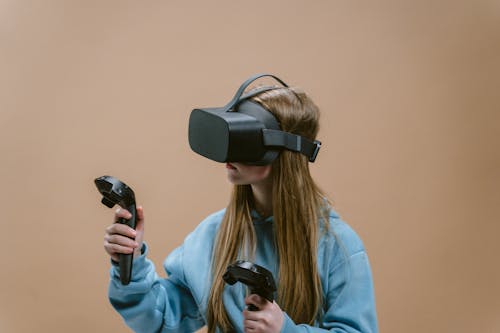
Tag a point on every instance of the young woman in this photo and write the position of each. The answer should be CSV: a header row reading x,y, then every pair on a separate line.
x,y
278,218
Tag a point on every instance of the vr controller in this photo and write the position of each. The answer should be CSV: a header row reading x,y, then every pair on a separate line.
x,y
114,192
257,278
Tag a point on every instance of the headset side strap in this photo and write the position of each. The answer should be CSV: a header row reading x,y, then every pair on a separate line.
x,y
293,142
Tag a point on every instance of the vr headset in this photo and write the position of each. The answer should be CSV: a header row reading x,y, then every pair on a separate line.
x,y
244,131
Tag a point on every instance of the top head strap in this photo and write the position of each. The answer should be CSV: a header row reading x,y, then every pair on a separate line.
x,y
239,93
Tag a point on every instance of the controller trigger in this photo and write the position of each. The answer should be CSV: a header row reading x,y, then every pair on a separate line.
x,y
229,278
108,203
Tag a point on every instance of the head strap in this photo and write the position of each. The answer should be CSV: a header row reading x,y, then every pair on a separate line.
x,y
245,84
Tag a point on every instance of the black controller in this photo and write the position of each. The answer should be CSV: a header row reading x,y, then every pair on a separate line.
x,y
114,192
257,278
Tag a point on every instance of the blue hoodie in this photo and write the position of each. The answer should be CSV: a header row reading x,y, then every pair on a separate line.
x,y
179,303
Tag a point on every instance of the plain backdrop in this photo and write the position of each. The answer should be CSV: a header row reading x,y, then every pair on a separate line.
x,y
409,94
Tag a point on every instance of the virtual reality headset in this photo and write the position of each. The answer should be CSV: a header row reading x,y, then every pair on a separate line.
x,y
244,131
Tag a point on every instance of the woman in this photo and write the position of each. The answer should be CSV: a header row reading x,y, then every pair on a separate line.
x,y
278,218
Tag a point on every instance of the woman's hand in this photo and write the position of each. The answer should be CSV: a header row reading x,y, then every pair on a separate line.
x,y
120,238
269,318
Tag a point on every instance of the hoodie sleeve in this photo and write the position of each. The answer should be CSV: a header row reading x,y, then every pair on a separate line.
x,y
150,303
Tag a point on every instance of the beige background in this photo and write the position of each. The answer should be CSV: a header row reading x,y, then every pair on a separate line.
x,y
409,92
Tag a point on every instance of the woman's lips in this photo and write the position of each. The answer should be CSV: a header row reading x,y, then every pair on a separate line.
x,y
230,166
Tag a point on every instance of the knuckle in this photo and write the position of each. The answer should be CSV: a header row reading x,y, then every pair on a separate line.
x,y
111,239
118,240
112,228
108,249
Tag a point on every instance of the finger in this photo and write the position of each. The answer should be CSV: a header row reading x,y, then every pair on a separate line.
x,y
114,249
122,213
121,229
251,316
140,213
252,326
249,325
256,300
121,240
140,219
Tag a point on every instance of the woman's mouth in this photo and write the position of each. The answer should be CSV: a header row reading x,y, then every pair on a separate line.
x,y
230,166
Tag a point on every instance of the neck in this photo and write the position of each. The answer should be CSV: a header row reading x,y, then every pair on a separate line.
x,y
263,198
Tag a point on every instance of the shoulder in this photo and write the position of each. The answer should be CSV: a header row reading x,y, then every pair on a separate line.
x,y
196,249
339,243
208,226
202,238
344,235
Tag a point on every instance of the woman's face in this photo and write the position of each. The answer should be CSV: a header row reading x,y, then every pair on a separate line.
x,y
243,174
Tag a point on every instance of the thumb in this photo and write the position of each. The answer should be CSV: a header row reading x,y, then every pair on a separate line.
x,y
139,228
140,219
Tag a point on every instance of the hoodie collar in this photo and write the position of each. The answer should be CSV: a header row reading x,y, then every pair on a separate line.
x,y
257,218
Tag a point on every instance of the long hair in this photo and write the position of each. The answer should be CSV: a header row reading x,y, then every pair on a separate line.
x,y
298,206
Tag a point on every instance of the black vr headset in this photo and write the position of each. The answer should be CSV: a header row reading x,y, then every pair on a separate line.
x,y
244,131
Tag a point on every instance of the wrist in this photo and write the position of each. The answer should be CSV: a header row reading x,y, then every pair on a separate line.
x,y
139,251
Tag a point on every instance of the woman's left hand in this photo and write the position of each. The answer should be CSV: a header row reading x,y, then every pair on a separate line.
x,y
268,319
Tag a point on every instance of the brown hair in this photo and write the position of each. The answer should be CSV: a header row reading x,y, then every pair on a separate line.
x,y
298,205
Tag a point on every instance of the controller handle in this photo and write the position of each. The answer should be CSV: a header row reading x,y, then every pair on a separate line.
x,y
257,278
115,192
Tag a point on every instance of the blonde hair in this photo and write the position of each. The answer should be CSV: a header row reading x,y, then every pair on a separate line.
x,y
298,206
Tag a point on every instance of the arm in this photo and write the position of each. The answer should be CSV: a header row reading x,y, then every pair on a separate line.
x,y
152,304
149,303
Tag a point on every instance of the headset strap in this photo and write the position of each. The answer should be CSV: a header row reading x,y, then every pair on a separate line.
x,y
255,92
277,138
245,84
293,142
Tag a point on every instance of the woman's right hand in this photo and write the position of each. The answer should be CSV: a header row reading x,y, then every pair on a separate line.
x,y
122,239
